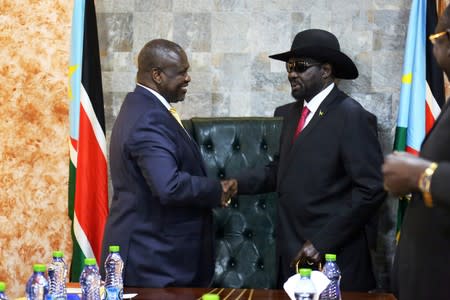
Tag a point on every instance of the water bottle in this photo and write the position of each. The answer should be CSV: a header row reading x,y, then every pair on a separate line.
x,y
90,280
2,291
331,270
305,289
113,274
57,274
37,285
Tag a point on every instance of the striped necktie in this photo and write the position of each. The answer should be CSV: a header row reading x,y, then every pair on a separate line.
x,y
174,113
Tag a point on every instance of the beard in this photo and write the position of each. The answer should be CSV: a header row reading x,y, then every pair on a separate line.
x,y
177,95
305,92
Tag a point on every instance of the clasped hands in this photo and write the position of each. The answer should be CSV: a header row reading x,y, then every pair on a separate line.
x,y
229,189
307,256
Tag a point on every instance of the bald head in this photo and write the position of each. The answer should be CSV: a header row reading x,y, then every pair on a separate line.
x,y
157,54
163,66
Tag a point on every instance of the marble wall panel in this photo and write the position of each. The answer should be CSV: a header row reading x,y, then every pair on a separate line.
x,y
192,5
193,31
35,37
151,25
230,32
154,5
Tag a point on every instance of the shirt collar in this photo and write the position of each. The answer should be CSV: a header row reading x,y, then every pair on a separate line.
x,y
157,95
315,102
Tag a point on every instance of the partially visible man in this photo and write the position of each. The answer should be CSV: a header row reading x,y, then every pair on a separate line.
x,y
161,211
328,175
421,265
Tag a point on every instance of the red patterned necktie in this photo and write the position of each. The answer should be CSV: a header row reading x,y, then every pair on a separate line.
x,y
301,122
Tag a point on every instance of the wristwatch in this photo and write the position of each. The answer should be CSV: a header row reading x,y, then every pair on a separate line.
x,y
425,183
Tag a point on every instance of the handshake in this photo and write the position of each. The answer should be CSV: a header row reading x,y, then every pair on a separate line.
x,y
229,189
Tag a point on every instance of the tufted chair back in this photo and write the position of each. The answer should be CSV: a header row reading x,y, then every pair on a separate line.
x,y
245,232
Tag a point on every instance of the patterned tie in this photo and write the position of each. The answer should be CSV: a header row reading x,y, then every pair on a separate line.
x,y
174,113
301,122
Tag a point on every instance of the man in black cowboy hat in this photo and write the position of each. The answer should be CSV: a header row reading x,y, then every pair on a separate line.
x,y
328,174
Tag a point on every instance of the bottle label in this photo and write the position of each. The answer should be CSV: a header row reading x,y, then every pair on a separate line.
x,y
113,293
304,296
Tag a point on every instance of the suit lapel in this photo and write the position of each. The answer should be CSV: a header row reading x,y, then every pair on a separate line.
x,y
175,126
290,122
327,104
291,147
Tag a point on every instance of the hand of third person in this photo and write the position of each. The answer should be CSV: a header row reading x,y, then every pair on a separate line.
x,y
308,255
229,189
402,171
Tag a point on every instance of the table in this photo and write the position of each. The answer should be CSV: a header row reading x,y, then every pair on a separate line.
x,y
234,294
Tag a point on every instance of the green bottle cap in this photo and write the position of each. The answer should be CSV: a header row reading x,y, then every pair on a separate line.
x,y
39,268
305,272
2,286
114,248
58,253
90,261
330,257
210,297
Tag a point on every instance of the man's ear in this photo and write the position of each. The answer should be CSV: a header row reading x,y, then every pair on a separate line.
x,y
156,75
327,70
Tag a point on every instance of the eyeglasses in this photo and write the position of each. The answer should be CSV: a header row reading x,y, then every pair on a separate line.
x,y
434,37
299,66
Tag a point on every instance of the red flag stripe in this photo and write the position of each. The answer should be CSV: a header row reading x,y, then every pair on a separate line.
x,y
429,118
432,109
92,185
412,150
91,204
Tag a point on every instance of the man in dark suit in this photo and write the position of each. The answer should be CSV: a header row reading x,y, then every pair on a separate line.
x,y
421,265
161,211
328,175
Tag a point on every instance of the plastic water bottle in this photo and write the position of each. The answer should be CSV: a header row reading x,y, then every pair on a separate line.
x,y
57,274
2,291
331,270
37,285
90,280
305,289
113,276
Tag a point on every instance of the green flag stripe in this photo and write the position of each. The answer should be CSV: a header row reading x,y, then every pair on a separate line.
x,y
72,186
77,260
400,139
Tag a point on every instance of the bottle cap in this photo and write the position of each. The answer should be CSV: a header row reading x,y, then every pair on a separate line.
x,y
2,286
39,268
114,248
305,272
90,261
330,257
58,253
210,297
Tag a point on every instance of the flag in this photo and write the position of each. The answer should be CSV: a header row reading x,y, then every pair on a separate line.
x,y
422,90
88,182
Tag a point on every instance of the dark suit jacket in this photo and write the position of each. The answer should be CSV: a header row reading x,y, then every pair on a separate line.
x,y
422,261
329,183
161,211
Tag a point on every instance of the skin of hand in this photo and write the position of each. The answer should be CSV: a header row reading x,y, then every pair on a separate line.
x,y
230,185
229,189
307,254
402,171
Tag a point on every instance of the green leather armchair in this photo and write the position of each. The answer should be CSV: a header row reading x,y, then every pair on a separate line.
x,y
245,231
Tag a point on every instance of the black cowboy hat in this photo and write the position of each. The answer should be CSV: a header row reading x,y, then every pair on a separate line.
x,y
323,46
